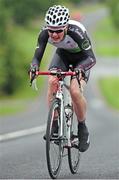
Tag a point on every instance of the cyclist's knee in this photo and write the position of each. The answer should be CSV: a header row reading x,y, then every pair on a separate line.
x,y
52,88
52,85
74,93
52,81
74,90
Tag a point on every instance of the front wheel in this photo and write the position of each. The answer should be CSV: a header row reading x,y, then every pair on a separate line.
x,y
53,144
74,154
74,159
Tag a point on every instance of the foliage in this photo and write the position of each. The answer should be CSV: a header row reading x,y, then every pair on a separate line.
x,y
3,23
105,32
11,69
9,76
114,11
24,10
110,88
76,1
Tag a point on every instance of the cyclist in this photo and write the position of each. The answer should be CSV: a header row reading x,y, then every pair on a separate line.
x,y
73,47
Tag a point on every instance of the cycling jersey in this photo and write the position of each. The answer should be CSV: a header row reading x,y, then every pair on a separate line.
x,y
76,41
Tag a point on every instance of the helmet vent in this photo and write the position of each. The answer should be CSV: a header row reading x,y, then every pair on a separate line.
x,y
57,20
54,16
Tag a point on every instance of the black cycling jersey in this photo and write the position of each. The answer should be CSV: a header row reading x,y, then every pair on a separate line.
x,y
76,41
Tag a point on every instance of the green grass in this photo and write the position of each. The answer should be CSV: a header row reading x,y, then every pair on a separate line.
x,y
107,45
11,107
106,39
110,90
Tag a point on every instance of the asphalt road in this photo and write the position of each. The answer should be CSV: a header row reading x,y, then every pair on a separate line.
x,y
22,148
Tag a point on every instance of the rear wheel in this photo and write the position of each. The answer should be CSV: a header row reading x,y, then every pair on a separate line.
x,y
53,144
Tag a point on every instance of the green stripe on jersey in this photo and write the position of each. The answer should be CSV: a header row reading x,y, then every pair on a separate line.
x,y
74,50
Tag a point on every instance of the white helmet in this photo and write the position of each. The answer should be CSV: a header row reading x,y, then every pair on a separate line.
x,y
57,16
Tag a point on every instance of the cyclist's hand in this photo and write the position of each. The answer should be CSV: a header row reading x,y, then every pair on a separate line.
x,y
32,72
80,73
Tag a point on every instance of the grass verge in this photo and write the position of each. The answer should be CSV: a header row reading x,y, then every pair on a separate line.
x,y
106,38
9,107
110,90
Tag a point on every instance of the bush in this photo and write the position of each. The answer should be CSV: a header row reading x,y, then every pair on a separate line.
x,y
24,10
114,11
12,70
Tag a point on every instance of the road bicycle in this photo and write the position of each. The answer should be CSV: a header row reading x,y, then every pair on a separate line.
x,y
65,142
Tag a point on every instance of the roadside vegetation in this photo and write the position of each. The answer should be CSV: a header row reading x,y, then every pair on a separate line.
x,y
107,45
110,90
18,39
26,42
107,39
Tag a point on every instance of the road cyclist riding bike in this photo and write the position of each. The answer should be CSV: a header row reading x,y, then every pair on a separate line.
x,y
73,47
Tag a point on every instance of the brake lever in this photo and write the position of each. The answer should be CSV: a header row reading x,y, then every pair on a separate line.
x,y
32,78
33,82
77,77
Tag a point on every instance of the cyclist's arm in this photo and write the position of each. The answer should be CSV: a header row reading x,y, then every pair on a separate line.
x,y
41,45
84,43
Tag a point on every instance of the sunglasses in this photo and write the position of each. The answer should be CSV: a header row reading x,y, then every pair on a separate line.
x,y
58,31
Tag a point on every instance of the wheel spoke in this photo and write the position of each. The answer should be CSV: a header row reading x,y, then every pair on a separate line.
x,y
53,144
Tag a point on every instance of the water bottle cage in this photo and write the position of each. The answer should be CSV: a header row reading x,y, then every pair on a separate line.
x,y
68,115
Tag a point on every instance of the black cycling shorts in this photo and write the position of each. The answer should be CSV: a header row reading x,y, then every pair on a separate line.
x,y
62,59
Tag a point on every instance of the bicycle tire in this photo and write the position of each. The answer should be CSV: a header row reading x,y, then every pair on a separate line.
x,y
53,167
74,154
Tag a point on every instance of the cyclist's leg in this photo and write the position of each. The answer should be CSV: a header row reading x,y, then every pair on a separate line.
x,y
78,98
79,103
58,64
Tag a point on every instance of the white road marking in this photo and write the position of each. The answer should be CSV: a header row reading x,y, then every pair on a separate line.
x,y
21,133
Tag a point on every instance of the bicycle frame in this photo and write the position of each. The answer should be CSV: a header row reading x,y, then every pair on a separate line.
x,y
64,95
65,120
59,95
63,102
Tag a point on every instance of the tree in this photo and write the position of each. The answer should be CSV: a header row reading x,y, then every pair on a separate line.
x,y
3,23
24,10
114,11
10,78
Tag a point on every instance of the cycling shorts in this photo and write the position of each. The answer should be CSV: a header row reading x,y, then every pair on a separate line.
x,y
62,59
